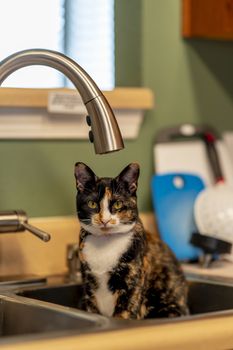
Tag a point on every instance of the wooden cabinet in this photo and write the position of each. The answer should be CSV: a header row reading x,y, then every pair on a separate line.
x,y
211,19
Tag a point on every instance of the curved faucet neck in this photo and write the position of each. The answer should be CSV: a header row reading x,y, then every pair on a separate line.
x,y
79,77
105,131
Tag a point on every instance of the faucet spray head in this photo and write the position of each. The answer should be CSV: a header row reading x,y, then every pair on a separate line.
x,y
105,131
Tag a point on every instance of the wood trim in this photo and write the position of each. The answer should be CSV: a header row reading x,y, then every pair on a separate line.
x,y
119,98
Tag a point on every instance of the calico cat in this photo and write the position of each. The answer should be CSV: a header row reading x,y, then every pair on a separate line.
x,y
127,272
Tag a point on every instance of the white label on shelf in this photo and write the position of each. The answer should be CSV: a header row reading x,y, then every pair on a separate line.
x,y
65,103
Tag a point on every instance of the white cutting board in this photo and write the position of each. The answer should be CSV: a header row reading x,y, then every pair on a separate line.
x,y
191,157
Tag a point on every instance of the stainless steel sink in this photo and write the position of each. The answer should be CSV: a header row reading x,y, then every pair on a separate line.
x,y
55,310
22,317
209,296
66,294
35,312
203,297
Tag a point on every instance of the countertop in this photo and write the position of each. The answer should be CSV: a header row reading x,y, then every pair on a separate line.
x,y
211,333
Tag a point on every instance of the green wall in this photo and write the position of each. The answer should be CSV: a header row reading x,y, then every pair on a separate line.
x,y
128,42
192,81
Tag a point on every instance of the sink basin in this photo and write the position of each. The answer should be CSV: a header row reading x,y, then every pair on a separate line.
x,y
203,297
209,296
66,295
19,317
55,310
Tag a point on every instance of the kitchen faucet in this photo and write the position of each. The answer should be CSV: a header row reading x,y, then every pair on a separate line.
x,y
104,133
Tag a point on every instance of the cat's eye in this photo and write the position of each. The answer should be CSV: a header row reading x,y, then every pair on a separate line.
x,y
118,205
92,204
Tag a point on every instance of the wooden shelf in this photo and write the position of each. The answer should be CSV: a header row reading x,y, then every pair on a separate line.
x,y
60,113
211,19
119,98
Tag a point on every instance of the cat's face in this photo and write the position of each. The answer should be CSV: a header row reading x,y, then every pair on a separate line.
x,y
107,206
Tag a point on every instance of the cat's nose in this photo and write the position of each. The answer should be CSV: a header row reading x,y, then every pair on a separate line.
x,y
105,221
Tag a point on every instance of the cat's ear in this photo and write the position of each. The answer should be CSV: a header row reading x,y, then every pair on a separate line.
x,y
85,177
129,176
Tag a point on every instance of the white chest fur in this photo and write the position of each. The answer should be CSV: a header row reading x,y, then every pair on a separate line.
x,y
102,254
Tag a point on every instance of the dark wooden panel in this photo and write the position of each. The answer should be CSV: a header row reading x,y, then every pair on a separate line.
x,y
208,19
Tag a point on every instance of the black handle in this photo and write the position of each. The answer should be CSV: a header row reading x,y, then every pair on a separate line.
x,y
210,245
213,157
183,132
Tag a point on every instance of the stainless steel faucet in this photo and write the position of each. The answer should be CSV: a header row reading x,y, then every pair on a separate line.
x,y
105,132
16,221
